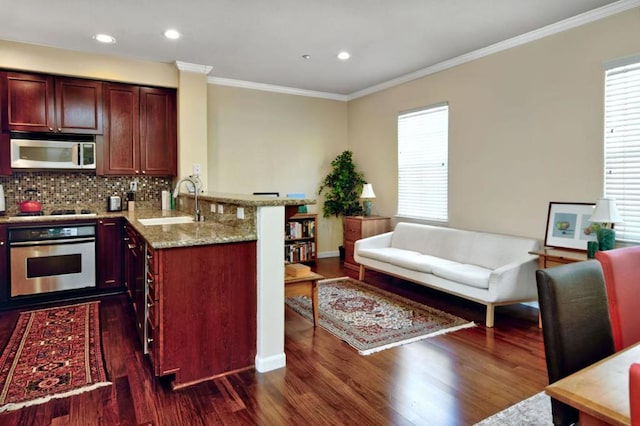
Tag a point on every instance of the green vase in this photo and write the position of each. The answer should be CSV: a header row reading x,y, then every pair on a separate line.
x,y
606,238
367,207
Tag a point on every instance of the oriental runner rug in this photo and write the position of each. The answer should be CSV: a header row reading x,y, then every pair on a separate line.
x,y
370,319
52,353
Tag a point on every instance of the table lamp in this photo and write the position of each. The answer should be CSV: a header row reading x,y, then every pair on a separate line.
x,y
367,195
606,212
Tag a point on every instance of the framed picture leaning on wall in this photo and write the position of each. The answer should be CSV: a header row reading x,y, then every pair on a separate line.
x,y
569,225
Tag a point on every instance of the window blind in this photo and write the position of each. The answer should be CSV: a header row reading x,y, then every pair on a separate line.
x,y
423,138
622,146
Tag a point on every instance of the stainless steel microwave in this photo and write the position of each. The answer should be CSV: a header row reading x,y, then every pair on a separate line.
x,y
52,154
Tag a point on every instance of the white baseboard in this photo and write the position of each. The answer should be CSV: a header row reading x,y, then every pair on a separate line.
x,y
273,362
328,254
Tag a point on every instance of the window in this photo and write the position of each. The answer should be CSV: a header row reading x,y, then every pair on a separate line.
x,y
423,139
622,145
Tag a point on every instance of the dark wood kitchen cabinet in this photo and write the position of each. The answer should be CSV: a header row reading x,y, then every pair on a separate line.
x,y
4,267
5,154
201,320
158,132
134,276
44,103
109,253
140,135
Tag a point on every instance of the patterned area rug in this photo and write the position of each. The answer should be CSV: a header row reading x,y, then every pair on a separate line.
x,y
370,319
534,411
52,353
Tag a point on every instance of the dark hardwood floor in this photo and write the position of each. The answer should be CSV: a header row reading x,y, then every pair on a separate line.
x,y
454,379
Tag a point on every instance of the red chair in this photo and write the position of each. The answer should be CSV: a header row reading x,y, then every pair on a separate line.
x,y
634,393
621,268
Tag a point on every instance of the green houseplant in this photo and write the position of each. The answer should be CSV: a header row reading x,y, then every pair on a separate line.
x,y
343,186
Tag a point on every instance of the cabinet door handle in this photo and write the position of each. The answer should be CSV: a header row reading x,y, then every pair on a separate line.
x,y
51,129
59,129
1,243
131,246
149,340
149,281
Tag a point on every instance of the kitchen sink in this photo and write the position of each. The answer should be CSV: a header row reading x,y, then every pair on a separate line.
x,y
166,220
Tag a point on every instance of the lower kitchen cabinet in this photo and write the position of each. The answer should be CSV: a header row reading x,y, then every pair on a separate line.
x,y
134,275
109,253
4,267
201,310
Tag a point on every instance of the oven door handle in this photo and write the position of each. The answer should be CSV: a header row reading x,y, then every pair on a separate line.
x,y
51,242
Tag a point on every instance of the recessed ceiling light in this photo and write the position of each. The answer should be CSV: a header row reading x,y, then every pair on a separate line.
x,y
306,56
343,56
104,38
172,34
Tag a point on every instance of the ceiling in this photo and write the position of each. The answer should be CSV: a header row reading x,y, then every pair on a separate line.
x,y
263,42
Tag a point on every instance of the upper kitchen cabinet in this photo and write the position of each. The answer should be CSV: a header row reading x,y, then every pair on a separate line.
x,y
140,131
44,103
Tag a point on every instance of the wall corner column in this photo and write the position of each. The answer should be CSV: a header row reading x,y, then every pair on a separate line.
x,y
270,270
192,119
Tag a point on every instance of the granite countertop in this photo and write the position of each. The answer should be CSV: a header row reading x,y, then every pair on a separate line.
x,y
178,235
253,200
186,234
158,236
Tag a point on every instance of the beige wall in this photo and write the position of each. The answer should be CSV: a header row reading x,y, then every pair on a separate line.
x,y
28,57
192,125
525,127
263,141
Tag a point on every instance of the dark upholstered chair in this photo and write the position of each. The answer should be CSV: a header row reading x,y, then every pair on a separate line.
x,y
575,324
621,268
634,393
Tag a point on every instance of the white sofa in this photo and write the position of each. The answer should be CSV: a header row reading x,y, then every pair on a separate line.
x,y
492,269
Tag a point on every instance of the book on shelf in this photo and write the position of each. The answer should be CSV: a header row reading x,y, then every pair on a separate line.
x,y
300,251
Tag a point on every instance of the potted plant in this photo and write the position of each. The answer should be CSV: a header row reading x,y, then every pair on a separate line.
x,y
342,187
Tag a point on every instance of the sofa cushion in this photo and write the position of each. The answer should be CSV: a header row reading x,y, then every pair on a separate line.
x,y
420,263
384,254
472,275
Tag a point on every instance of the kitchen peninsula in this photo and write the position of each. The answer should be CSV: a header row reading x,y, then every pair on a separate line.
x,y
208,296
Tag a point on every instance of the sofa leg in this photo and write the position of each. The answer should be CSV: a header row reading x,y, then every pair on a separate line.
x,y
490,313
361,273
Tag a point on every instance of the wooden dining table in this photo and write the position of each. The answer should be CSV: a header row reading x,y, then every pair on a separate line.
x,y
600,391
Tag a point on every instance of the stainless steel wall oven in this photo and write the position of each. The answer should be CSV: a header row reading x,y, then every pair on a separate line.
x,y
52,258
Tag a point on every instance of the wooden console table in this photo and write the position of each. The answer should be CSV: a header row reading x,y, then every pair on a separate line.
x,y
548,257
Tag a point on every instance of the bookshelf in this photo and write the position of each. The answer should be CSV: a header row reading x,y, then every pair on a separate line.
x,y
300,236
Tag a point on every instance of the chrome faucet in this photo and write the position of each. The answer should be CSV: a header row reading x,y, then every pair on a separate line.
x,y
194,181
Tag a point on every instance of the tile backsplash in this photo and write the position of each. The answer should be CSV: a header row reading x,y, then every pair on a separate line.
x,y
78,190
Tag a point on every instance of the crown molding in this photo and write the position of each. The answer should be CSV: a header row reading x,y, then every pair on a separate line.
x,y
277,89
558,27
186,66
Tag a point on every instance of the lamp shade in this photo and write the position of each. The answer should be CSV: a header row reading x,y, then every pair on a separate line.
x,y
606,211
367,191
